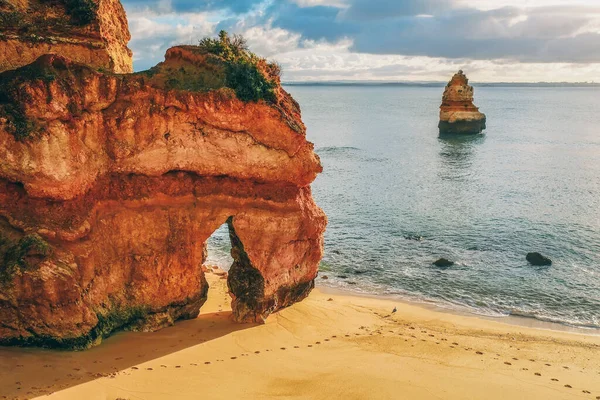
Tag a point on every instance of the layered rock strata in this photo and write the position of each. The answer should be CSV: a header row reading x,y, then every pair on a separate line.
x,y
110,186
93,32
458,114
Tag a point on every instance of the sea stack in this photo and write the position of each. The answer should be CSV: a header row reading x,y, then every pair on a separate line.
x,y
458,114
111,183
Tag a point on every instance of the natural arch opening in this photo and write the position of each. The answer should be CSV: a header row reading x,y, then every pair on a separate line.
x,y
218,248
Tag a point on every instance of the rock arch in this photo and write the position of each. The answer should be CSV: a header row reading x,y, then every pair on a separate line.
x,y
111,184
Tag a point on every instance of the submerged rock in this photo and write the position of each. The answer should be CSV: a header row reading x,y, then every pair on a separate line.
x,y
537,259
115,183
458,114
443,263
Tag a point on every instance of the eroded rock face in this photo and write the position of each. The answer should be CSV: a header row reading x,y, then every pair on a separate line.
x,y
93,32
110,186
458,114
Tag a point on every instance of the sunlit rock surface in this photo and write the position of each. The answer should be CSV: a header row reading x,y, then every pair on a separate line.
x,y
458,114
111,184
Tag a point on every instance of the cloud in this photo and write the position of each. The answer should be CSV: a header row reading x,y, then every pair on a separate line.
x,y
152,34
440,28
520,40
186,6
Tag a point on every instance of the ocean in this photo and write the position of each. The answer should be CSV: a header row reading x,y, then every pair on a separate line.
x,y
398,197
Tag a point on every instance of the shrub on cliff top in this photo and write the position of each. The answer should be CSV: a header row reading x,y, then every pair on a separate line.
x,y
82,12
243,68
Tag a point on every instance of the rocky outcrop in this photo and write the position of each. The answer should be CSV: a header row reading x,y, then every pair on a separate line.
x,y
458,114
537,259
111,184
92,32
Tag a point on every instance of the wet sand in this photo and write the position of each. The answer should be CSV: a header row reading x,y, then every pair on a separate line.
x,y
330,346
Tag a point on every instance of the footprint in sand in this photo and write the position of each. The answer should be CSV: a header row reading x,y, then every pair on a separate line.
x,y
206,362
163,366
257,352
554,380
296,347
310,345
282,348
178,366
515,358
347,335
317,342
149,369
586,392
233,358
569,386
479,352
454,343
507,363
547,365
134,368
565,367
532,360
524,369
537,374
327,340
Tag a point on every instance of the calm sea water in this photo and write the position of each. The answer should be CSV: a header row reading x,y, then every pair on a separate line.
x,y
530,183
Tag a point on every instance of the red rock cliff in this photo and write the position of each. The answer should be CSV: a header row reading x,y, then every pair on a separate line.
x,y
93,32
111,184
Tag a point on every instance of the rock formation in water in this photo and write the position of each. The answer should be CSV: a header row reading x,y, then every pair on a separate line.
x,y
92,32
111,184
458,114
537,259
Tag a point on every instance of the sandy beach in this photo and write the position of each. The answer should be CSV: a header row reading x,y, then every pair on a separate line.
x,y
330,346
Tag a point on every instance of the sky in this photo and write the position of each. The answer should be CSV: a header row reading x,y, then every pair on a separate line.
x,y
387,40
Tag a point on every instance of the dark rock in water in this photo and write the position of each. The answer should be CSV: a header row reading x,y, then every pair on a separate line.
x,y
442,262
538,259
343,276
461,127
414,237
324,277
351,283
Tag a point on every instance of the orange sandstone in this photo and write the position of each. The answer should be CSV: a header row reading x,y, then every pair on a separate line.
x,y
111,184
458,114
93,32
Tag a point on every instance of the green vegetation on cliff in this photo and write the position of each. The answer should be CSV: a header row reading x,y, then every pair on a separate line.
x,y
16,256
251,77
82,12
13,98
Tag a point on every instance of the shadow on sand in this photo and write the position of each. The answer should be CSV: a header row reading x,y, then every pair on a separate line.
x,y
26,373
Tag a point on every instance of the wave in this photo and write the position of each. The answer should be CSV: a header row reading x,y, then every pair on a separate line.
x,y
336,149
346,283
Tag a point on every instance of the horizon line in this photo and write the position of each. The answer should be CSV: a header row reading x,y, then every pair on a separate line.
x,y
431,83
